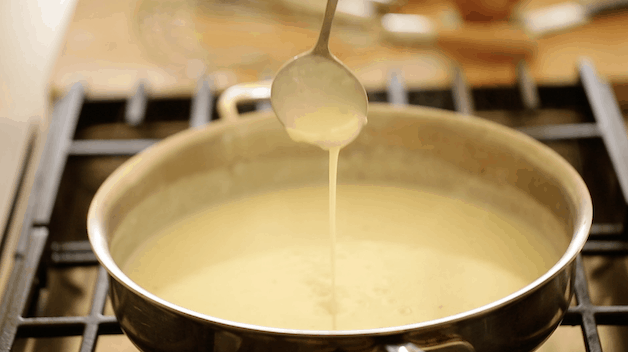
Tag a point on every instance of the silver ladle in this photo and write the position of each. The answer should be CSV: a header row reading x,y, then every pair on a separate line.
x,y
315,80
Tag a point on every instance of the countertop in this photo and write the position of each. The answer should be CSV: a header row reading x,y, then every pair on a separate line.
x,y
170,44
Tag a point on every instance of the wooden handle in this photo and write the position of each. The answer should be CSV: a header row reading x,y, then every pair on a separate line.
x,y
486,10
486,42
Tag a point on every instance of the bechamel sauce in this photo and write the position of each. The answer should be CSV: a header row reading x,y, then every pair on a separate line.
x,y
403,256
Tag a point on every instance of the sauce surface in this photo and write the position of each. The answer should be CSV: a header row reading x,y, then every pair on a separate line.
x,y
403,256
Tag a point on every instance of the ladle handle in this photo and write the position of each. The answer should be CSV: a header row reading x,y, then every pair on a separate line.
x,y
322,45
244,92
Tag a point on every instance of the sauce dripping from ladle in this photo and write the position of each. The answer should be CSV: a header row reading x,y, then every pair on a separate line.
x,y
319,101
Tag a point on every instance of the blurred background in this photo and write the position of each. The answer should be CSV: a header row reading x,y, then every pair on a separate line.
x,y
170,43
162,49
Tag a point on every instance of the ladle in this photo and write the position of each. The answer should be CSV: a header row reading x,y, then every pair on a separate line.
x,y
321,92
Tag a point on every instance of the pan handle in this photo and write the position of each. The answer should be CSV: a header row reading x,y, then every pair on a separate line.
x,y
406,347
244,92
450,346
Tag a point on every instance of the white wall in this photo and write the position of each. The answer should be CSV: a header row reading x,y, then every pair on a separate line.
x,y
31,35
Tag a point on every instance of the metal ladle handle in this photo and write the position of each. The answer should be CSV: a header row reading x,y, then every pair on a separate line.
x,y
322,44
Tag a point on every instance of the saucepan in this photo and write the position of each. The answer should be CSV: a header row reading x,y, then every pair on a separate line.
x,y
241,153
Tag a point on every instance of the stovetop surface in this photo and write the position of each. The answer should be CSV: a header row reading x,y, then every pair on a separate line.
x,y
56,299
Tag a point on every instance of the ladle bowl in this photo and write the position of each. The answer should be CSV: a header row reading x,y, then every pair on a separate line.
x,y
316,81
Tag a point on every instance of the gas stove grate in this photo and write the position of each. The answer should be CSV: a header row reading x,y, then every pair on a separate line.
x,y
36,250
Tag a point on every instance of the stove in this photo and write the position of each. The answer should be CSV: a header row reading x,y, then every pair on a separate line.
x,y
56,296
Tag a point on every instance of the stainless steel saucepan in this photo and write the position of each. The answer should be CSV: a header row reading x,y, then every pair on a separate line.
x,y
239,154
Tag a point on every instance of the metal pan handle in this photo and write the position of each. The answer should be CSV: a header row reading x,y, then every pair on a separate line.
x,y
450,346
406,347
244,92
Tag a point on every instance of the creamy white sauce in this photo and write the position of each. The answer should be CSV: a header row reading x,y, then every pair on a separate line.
x,y
403,256
327,127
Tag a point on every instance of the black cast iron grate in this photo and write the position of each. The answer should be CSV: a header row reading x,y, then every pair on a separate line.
x,y
36,250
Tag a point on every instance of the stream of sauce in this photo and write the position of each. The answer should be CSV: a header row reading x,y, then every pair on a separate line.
x,y
331,128
318,107
333,182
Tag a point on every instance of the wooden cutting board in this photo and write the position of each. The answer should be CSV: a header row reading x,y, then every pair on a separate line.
x,y
169,44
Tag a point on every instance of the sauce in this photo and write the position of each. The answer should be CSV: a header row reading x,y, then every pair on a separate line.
x,y
403,256
330,128
333,182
